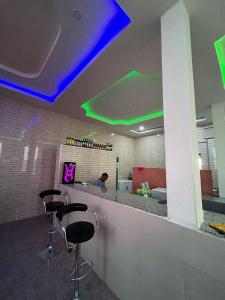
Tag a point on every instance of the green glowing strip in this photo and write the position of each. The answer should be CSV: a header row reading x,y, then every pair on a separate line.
x,y
220,51
89,113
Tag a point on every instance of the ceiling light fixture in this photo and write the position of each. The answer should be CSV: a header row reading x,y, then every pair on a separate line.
x,y
220,51
77,15
141,130
112,27
147,130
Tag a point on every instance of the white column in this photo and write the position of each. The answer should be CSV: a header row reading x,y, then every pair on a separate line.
x,y
184,199
218,114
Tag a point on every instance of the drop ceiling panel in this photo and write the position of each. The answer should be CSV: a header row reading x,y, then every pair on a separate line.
x,y
56,41
28,33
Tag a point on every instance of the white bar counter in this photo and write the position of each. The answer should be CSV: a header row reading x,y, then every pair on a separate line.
x,y
145,256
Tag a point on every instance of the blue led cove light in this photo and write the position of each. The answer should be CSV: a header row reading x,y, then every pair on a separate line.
x,y
117,24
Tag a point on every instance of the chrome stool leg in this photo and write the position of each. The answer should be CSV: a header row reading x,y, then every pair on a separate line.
x,y
51,235
49,251
76,272
79,273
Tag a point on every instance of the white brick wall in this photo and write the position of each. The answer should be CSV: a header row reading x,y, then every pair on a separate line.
x,y
150,152
90,164
28,143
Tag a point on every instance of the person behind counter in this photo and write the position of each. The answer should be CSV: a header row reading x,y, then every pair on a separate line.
x,y
101,181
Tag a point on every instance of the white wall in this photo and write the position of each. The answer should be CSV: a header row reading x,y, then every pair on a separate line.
x,y
150,151
28,141
218,114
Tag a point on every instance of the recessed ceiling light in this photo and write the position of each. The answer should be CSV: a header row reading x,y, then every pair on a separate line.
x,y
76,14
146,130
142,130
112,134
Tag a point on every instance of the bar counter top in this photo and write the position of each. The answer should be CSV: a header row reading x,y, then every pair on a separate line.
x,y
146,204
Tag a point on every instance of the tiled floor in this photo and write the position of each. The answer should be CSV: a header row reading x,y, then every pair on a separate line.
x,y
25,276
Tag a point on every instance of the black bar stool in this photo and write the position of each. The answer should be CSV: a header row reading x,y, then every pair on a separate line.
x,y
51,208
75,234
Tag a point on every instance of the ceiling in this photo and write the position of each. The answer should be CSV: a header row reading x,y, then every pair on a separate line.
x,y
138,48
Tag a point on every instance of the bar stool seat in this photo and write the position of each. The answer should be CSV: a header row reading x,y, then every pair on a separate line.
x,y
79,232
54,206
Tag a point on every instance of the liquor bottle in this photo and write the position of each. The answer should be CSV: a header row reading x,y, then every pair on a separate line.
x,y
67,141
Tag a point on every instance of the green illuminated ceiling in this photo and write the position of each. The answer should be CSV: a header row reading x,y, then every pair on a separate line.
x,y
126,101
220,51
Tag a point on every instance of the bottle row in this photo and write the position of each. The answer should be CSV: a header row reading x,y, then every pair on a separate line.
x,y
88,143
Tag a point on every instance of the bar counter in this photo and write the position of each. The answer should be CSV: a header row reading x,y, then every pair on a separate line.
x,y
146,204
137,248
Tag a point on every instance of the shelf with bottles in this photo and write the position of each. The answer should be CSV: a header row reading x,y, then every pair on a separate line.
x,y
88,143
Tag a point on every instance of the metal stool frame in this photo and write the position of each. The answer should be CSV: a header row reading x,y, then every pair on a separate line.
x,y
77,207
52,216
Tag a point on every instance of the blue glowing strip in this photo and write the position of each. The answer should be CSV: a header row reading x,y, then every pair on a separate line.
x,y
118,23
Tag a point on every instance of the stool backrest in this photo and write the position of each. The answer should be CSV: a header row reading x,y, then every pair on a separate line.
x,y
45,193
70,208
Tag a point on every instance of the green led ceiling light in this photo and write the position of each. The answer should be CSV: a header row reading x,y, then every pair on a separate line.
x,y
220,51
130,78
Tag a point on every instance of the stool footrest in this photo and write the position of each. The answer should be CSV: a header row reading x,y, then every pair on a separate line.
x,y
88,263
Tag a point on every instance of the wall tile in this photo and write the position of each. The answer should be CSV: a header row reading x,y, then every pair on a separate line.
x,y
28,144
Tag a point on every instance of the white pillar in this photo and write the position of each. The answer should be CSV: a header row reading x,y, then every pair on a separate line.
x,y
184,199
218,114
